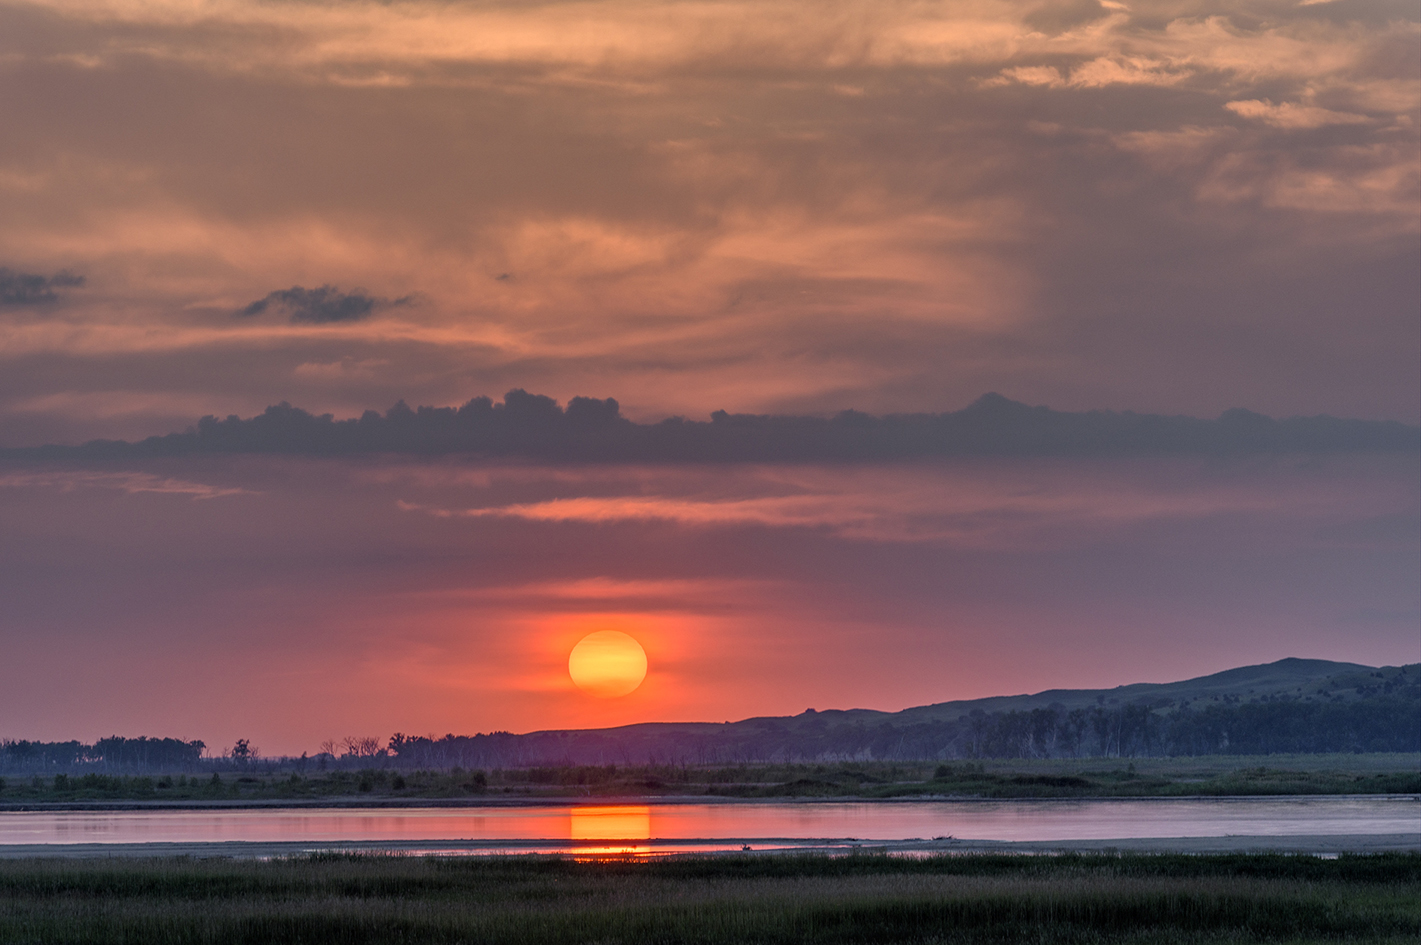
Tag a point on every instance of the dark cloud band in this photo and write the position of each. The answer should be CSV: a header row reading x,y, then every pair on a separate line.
x,y
591,430
321,306
27,288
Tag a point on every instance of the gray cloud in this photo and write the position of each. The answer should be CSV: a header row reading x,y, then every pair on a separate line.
x,y
26,288
592,430
320,306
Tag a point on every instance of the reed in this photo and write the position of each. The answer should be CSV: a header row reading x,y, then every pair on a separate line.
x,y
1397,773
733,899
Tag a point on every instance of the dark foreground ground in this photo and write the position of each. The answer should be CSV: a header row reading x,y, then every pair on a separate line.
x,y
737,899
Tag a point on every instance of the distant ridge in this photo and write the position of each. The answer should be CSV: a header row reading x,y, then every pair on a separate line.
x,y
1292,705
591,430
1245,682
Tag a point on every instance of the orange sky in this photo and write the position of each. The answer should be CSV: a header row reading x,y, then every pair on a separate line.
x,y
1170,206
294,600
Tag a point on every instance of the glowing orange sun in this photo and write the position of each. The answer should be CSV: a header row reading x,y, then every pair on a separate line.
x,y
607,663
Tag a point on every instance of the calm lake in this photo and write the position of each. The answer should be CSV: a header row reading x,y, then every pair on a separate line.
x,y
669,827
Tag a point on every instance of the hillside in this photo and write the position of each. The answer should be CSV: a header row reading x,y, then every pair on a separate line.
x,y
1307,680
1293,705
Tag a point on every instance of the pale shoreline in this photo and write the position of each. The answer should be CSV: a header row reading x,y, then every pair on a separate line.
x,y
1322,845
356,802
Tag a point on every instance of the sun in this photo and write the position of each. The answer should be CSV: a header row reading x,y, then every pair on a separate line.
x,y
607,663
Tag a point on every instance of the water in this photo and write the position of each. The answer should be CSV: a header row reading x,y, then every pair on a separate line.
x,y
669,827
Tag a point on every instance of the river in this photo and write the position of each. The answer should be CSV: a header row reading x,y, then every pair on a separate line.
x,y
679,827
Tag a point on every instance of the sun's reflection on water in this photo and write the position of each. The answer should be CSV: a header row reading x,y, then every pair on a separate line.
x,y
618,826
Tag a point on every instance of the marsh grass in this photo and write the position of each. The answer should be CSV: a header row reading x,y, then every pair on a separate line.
x,y
768,899
1232,776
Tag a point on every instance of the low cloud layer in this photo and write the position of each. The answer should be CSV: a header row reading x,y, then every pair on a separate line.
x,y
535,426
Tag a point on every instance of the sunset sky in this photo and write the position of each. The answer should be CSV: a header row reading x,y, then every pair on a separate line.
x,y
1175,207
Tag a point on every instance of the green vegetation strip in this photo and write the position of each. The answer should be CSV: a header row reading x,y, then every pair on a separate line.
x,y
1019,779
734,899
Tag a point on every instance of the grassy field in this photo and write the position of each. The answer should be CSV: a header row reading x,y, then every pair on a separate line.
x,y
734,899
1144,777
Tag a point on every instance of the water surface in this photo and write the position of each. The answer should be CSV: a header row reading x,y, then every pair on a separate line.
x,y
583,827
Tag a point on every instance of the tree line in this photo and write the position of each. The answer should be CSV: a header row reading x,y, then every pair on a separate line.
x,y
112,754
1121,731
1387,718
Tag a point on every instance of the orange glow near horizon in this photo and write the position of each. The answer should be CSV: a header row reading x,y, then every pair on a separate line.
x,y
607,664
698,275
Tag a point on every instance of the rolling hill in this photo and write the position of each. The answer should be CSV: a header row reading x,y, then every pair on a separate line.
x,y
1292,705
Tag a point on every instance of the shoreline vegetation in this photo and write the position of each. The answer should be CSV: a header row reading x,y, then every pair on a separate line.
x,y
857,898
1225,776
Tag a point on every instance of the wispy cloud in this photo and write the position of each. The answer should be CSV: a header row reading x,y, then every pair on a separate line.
x,y
128,482
979,506
1292,114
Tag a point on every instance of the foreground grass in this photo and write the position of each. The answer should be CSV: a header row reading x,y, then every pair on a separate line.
x,y
789,899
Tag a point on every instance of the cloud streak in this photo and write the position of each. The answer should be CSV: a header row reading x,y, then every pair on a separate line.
x,y
130,483
992,505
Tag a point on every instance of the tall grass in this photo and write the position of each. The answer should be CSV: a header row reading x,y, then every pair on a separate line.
x,y
1057,778
768,899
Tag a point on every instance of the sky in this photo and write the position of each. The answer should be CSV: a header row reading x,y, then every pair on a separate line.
x,y
1178,207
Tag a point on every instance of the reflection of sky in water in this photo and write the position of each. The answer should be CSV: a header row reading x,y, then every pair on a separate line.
x,y
599,827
